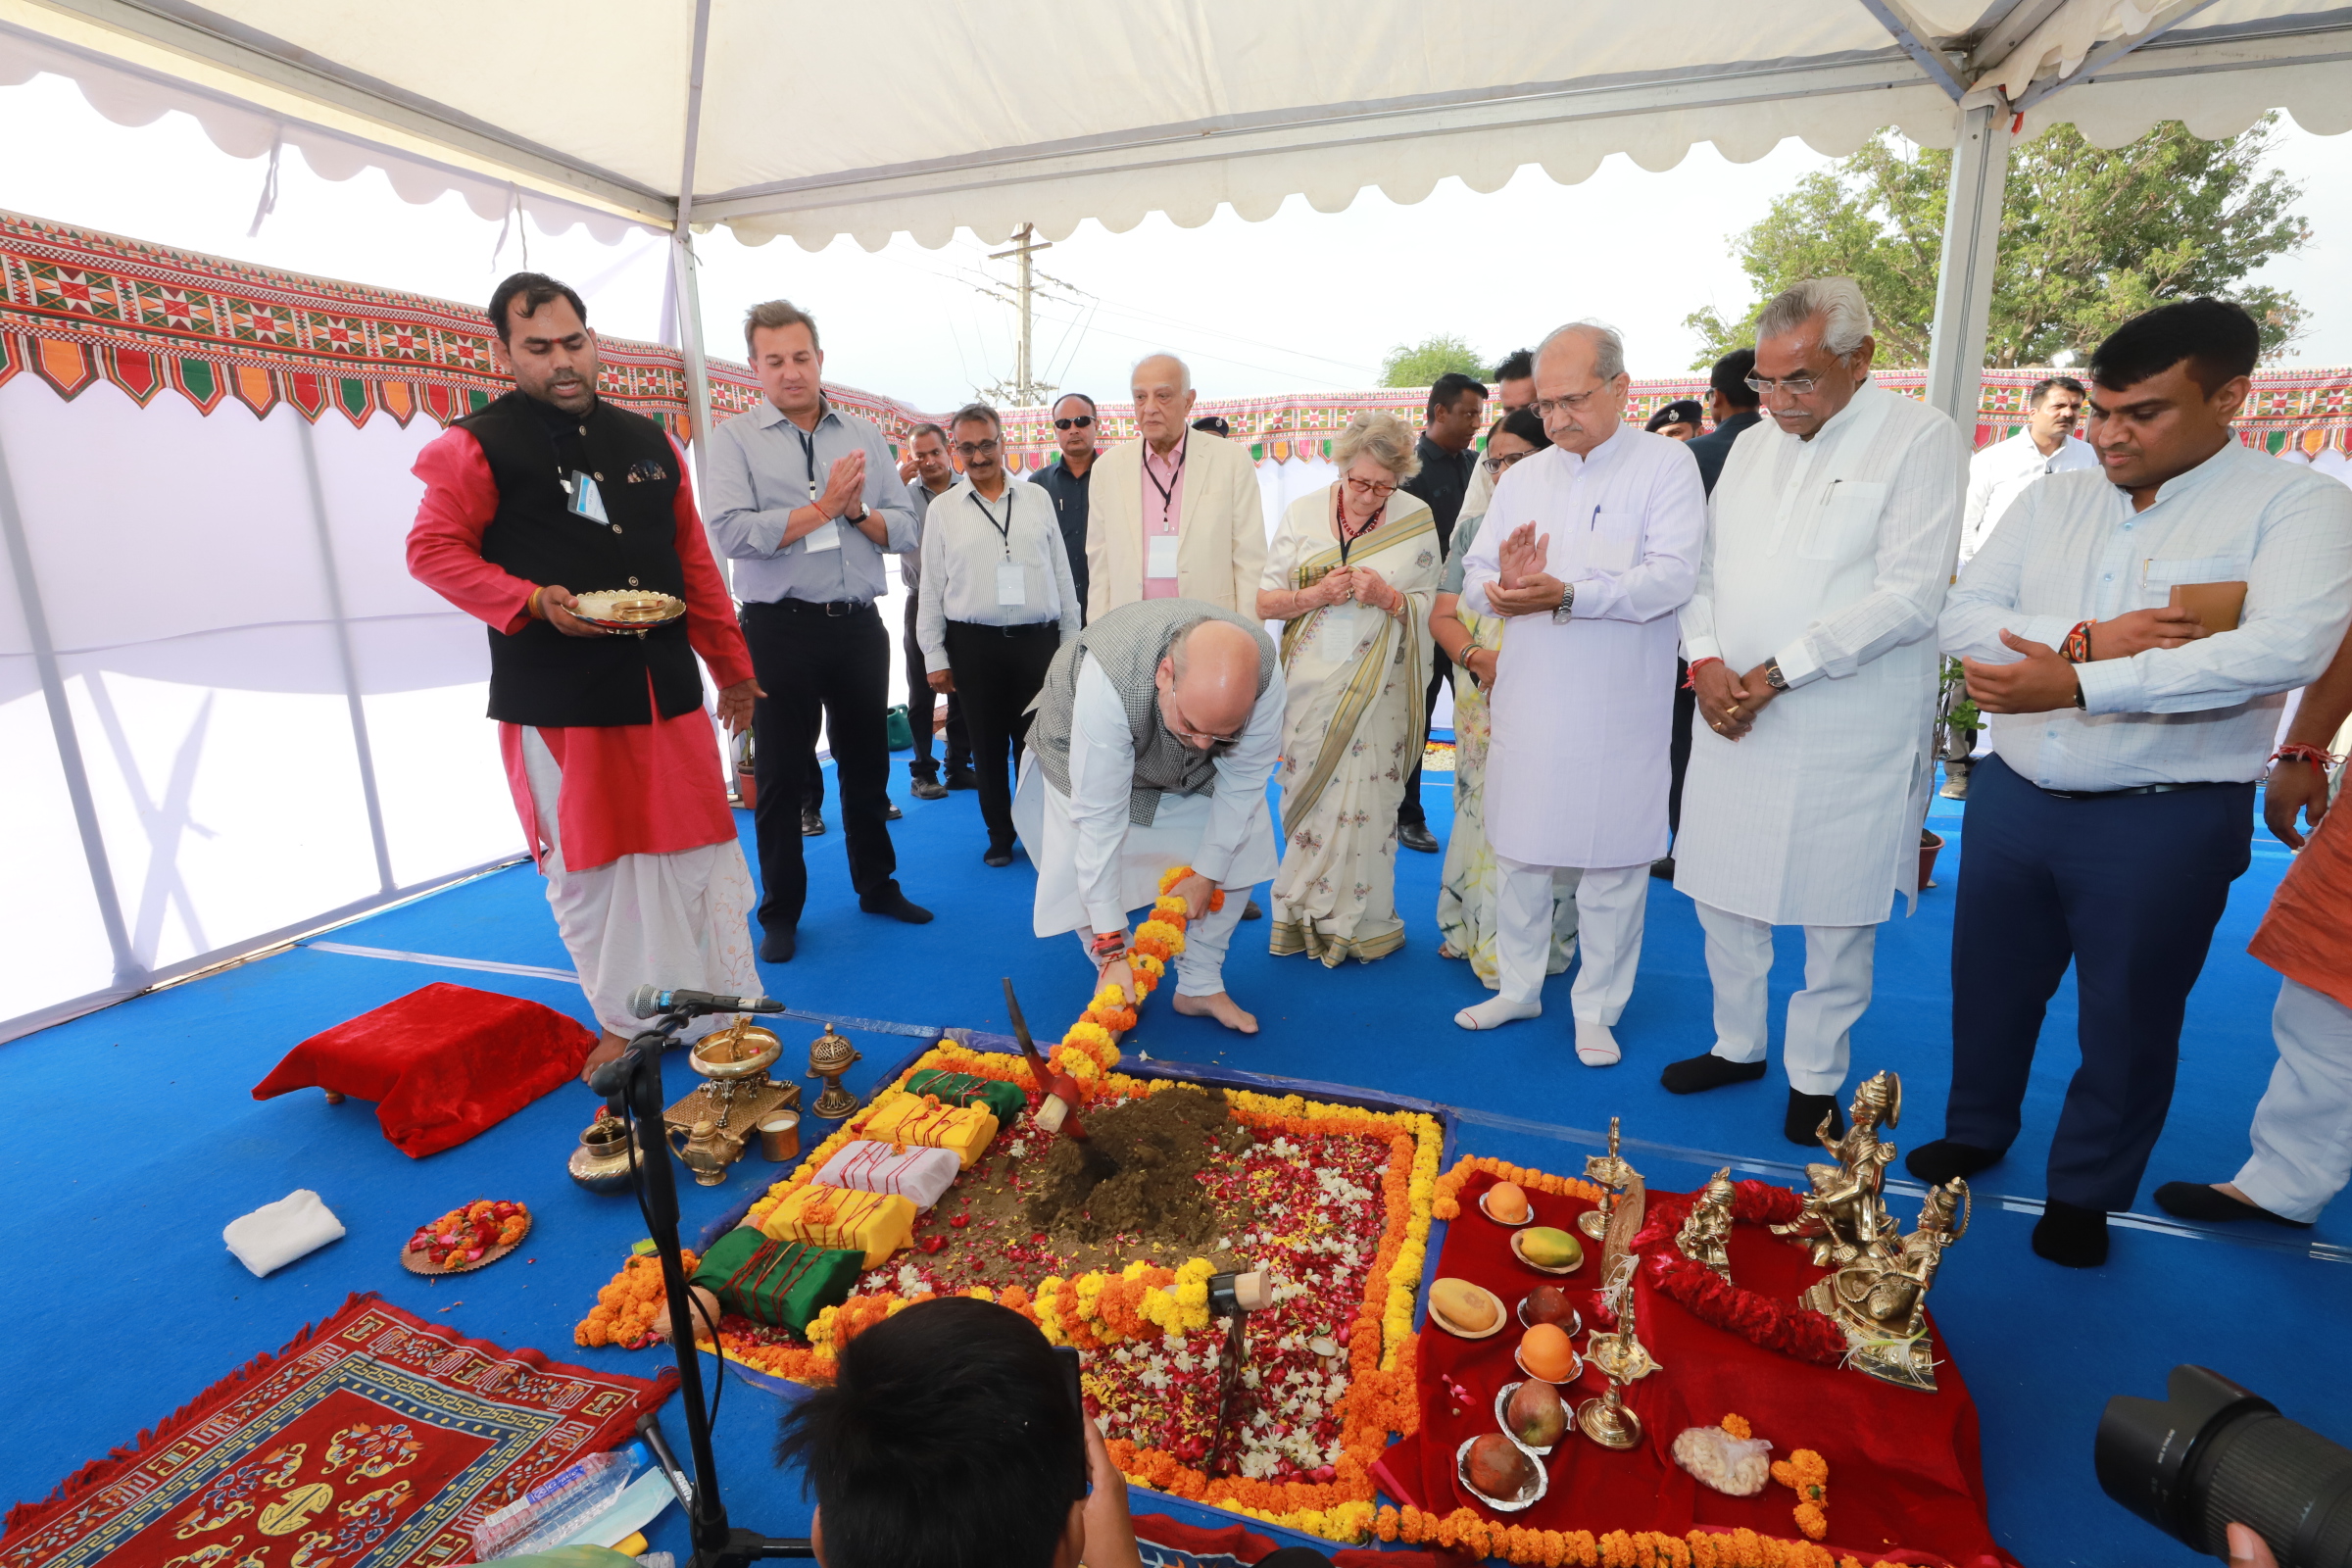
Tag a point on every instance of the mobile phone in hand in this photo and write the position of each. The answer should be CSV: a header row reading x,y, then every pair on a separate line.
x,y
1067,1354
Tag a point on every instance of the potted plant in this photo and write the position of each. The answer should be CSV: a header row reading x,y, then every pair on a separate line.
x,y
747,792
1957,721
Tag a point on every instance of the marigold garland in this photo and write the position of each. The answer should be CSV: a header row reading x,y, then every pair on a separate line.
x,y
1446,1198
624,1309
1807,1474
1464,1530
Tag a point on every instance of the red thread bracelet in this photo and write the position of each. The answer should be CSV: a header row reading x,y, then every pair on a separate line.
x,y
1690,676
2315,755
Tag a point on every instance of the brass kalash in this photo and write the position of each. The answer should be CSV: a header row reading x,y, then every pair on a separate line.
x,y
718,1118
1878,1285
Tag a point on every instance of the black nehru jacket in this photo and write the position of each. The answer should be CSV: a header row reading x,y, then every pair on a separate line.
x,y
538,676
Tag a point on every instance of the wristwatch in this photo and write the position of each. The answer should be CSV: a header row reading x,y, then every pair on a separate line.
x,y
1772,673
863,513
1559,617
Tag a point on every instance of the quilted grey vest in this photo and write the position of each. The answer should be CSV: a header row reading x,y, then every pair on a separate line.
x,y
1129,643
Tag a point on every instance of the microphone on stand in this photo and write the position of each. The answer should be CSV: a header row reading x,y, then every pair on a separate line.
x,y
648,1002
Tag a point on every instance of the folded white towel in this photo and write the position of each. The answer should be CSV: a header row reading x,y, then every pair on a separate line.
x,y
276,1234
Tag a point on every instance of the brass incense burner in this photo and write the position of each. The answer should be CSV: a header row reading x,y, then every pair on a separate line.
x,y
829,1057
737,1094
1878,1277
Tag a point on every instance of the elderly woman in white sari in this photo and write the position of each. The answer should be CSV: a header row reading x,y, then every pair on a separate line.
x,y
1350,574
1466,889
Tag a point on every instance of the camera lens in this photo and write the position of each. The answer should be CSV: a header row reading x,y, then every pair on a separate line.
x,y
2212,1453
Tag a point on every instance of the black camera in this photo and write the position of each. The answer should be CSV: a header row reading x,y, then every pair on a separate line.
x,y
2210,1454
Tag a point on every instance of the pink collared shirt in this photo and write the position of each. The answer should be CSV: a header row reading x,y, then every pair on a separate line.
x,y
1163,510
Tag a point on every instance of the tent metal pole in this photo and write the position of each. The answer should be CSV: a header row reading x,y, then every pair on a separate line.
x,y
1971,235
364,752
130,975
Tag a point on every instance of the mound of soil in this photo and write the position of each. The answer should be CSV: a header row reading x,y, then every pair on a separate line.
x,y
1138,1173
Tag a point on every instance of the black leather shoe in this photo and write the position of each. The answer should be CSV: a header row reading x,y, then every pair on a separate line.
x,y
929,789
1662,869
812,823
1939,1162
1251,912
998,856
2074,1236
777,944
1417,836
1805,1113
893,814
1693,1074
894,903
962,778
2211,1205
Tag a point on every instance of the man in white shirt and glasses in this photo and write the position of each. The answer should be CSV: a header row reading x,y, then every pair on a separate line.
x,y
2047,445
997,602
1812,644
1589,547
2134,633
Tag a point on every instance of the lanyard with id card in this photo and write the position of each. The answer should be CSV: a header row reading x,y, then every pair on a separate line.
x,y
1012,587
582,498
825,535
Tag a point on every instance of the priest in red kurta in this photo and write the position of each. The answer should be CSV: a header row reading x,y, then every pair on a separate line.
x,y
608,747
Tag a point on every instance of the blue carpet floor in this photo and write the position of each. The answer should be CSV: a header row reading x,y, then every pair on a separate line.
x,y
137,1140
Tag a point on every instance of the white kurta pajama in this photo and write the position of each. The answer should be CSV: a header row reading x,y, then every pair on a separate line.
x,y
1833,556
1094,865
1583,711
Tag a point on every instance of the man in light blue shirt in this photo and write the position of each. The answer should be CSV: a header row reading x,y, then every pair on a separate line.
x,y
806,500
2133,632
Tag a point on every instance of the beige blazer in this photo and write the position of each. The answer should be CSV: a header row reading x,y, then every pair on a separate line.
x,y
1220,535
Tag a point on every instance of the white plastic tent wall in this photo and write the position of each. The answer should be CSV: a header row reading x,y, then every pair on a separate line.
x,y
925,117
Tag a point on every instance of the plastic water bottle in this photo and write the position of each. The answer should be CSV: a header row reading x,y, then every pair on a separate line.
x,y
558,1507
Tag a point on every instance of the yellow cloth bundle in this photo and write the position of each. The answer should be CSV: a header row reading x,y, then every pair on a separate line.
x,y
875,1223
920,1120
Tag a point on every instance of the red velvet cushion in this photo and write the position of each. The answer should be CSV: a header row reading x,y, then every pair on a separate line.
x,y
441,1063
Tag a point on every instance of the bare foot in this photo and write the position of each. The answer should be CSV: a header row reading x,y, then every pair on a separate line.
x,y
1220,1007
608,1048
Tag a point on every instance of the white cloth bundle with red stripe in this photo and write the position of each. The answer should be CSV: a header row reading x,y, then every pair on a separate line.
x,y
867,1166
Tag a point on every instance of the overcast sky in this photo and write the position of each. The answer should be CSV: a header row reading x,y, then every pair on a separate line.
x,y
1305,302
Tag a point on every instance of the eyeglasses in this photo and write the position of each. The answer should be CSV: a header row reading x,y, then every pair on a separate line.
x,y
1079,423
974,448
1497,465
1367,489
1186,733
1796,387
1546,407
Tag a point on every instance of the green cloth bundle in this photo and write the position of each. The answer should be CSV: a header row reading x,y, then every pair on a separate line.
x,y
1007,1101
781,1282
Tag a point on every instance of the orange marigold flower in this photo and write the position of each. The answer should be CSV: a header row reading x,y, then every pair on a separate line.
x,y
1812,1520
1737,1427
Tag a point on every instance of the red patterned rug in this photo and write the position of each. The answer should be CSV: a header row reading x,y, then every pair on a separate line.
x,y
373,1440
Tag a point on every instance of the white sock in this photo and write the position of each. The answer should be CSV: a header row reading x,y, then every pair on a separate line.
x,y
1495,1011
1596,1046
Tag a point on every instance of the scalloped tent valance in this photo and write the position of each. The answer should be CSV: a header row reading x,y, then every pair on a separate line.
x,y
931,115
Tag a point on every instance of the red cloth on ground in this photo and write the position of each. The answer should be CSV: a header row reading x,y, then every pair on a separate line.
x,y
2306,935
441,1063
1904,1471
1237,1544
628,789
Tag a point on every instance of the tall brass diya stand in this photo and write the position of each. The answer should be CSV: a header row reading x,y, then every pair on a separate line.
x,y
719,1116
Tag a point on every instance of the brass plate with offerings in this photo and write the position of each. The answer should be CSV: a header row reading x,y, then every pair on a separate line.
x,y
627,610
737,1094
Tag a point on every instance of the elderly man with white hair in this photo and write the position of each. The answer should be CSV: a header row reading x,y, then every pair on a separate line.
x,y
1589,547
1812,646
1175,513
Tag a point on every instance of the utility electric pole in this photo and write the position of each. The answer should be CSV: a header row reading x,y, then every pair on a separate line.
x,y
1023,390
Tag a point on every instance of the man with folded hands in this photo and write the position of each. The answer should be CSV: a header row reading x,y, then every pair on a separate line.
x,y
548,493
2133,632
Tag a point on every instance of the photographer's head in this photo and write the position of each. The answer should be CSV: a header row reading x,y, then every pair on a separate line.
x,y
948,1440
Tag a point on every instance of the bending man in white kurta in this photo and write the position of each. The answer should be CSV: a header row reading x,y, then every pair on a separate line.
x,y
1830,544
1591,546
1155,734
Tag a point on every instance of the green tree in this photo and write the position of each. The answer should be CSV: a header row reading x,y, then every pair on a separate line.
x,y
1421,364
2088,237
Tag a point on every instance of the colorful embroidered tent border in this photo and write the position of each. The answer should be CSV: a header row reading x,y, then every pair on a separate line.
x,y
78,307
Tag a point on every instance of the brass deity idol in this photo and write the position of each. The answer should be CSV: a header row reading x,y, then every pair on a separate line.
x,y
1846,1214
1878,1277
1706,1233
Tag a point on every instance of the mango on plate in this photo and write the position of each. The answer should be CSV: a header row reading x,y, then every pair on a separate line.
x,y
1549,1247
1462,1304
